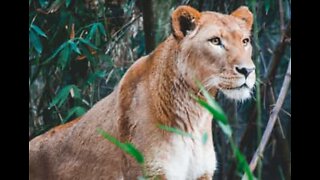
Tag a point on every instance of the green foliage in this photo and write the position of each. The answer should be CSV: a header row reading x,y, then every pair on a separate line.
x,y
34,34
125,147
68,3
93,76
204,138
61,97
67,42
175,130
78,111
213,107
43,3
38,30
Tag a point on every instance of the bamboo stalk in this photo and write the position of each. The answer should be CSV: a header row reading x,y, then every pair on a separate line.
x,y
273,117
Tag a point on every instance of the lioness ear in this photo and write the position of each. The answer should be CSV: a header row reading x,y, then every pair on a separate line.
x,y
244,13
184,19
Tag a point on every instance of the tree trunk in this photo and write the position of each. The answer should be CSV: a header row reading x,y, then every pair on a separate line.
x,y
148,26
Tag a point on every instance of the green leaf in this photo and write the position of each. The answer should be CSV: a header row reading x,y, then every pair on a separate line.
x,y
204,138
102,29
216,113
267,5
78,111
175,130
55,5
126,147
88,43
95,75
86,52
68,3
62,95
74,47
61,47
242,162
64,57
43,3
35,41
135,153
97,39
218,117
76,92
92,31
38,30
225,128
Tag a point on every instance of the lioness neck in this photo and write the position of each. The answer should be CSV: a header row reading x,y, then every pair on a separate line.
x,y
169,91
173,103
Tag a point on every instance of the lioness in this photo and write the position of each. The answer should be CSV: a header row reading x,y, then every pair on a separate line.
x,y
210,47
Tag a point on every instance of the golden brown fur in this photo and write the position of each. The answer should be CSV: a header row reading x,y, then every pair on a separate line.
x,y
156,90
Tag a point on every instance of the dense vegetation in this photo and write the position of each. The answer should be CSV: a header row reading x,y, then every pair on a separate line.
x,y
79,50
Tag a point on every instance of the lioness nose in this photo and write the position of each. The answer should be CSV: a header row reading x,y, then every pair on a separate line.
x,y
245,71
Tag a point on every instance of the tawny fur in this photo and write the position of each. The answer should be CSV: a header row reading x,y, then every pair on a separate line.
x,y
155,91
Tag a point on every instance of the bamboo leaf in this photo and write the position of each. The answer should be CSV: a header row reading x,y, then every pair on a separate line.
x,y
68,3
242,162
38,30
97,39
87,53
102,29
267,5
141,178
218,117
225,128
74,47
56,52
135,153
88,43
43,3
62,95
78,111
217,109
216,113
95,75
64,57
92,31
175,130
204,138
55,6
35,41
126,147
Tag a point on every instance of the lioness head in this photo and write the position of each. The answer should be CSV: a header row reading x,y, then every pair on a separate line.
x,y
215,49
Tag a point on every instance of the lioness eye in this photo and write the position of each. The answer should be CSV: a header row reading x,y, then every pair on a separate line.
x,y
215,41
245,41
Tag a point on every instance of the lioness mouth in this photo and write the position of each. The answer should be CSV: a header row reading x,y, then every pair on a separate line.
x,y
244,85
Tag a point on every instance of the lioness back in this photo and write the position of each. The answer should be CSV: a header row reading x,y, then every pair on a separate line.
x,y
155,92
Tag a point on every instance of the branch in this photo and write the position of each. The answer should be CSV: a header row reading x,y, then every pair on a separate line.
x,y
148,26
279,50
116,37
273,117
281,13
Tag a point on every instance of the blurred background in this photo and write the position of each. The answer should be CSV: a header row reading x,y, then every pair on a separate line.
x,y
79,50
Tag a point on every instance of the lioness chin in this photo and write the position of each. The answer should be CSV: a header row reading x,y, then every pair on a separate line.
x,y
210,47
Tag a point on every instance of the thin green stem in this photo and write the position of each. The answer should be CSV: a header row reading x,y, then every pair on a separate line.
x,y
256,27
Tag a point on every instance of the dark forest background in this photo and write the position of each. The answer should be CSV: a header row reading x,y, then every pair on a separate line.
x,y
79,50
